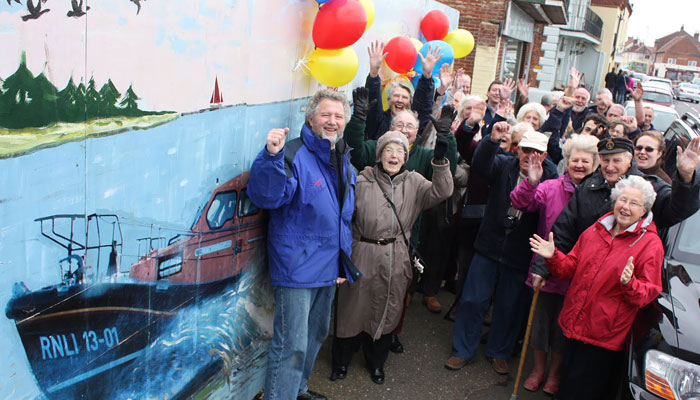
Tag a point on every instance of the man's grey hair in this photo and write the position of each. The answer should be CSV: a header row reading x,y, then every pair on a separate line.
x,y
464,100
636,182
547,99
312,107
396,84
583,143
607,93
617,106
409,112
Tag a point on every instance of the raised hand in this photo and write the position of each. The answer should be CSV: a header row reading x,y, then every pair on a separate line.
x,y
630,122
477,114
523,89
376,57
275,140
447,115
638,92
499,131
545,248
565,103
534,169
507,88
627,273
574,78
446,78
360,101
457,76
688,161
429,61
505,107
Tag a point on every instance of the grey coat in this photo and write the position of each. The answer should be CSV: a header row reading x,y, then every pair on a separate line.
x,y
374,303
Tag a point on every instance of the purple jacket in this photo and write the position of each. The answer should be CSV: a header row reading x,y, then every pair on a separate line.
x,y
549,198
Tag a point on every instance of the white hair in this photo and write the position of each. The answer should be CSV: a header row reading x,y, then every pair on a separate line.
x,y
392,87
617,106
636,182
584,143
532,106
464,100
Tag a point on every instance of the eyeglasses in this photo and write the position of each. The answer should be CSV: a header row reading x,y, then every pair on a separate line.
x,y
631,203
648,149
528,150
398,152
401,125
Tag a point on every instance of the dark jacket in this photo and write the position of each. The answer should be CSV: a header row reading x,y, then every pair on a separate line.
x,y
379,121
577,118
591,201
611,80
309,228
555,125
502,171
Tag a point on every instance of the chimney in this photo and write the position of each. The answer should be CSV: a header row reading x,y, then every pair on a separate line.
x,y
695,36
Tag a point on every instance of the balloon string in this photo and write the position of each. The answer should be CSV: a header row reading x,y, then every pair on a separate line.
x,y
302,65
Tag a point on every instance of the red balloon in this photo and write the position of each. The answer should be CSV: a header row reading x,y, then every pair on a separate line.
x,y
435,25
401,54
338,24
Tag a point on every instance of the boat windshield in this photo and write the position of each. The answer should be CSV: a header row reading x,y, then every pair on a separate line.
x,y
222,209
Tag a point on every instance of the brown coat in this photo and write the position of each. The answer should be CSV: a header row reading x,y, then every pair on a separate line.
x,y
374,303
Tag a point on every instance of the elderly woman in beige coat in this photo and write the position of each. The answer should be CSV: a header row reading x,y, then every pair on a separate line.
x,y
370,308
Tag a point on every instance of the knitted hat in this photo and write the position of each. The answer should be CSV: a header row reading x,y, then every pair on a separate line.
x,y
392,137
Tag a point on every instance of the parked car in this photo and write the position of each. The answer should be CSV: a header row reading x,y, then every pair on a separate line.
x,y
688,91
663,116
657,93
663,81
664,343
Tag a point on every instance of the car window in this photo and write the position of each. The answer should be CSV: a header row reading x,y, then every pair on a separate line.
x,y
662,120
657,97
688,246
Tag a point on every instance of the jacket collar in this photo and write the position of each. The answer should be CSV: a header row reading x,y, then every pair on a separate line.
x,y
608,222
567,183
321,147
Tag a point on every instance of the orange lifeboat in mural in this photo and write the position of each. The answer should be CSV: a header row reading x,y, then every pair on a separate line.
x,y
81,333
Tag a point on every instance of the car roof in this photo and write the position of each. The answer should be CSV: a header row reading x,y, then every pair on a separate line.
x,y
657,88
687,84
656,107
657,79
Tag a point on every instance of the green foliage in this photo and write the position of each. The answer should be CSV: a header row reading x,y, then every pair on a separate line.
x,y
28,101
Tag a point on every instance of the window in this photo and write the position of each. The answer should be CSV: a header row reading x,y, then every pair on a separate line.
x,y
692,63
222,209
671,61
246,206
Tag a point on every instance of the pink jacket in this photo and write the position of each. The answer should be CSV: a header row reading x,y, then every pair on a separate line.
x,y
548,198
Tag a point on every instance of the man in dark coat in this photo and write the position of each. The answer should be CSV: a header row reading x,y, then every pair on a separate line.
x,y
591,200
611,81
400,96
621,87
499,267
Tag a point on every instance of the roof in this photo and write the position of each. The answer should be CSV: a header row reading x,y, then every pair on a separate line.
x,y
613,3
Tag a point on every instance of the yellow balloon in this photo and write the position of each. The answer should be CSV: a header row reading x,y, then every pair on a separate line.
x,y
462,42
333,68
369,10
417,43
403,79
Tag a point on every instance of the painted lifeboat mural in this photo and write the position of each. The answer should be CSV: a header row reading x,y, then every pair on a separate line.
x,y
93,326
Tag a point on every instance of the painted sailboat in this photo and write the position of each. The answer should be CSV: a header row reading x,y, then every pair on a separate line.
x,y
217,99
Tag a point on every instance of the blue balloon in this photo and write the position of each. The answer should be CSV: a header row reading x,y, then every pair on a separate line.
x,y
322,1
414,81
447,57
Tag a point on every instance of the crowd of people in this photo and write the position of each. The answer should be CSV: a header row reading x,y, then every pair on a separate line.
x,y
501,196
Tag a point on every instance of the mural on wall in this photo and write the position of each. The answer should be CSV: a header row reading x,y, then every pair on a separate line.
x,y
133,260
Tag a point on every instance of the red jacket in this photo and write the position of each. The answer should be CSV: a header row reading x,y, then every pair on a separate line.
x,y
598,309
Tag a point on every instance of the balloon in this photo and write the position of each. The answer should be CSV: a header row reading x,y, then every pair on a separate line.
x,y
447,56
369,10
322,1
403,79
401,54
435,25
333,68
462,42
338,24
415,79
416,43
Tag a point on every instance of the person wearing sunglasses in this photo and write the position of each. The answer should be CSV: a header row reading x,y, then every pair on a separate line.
x,y
649,148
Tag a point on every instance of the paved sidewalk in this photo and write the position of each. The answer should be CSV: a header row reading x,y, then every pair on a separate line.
x,y
418,373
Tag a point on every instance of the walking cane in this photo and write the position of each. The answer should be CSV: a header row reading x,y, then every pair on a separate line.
x,y
514,396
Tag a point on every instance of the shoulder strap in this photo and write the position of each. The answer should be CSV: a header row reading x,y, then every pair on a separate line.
x,y
393,207
290,151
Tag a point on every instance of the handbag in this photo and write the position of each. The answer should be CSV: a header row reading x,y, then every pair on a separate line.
x,y
472,214
417,263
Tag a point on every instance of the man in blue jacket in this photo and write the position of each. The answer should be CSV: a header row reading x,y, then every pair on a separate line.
x,y
308,184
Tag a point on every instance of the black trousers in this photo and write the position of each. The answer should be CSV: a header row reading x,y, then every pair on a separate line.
x,y
590,372
437,239
375,351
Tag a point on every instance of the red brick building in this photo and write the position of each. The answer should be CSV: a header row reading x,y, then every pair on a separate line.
x,y
677,56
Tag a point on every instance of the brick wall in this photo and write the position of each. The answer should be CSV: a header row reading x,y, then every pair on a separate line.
x,y
683,51
474,16
537,52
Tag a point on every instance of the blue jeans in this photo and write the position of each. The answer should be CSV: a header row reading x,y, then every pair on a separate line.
x,y
302,319
488,278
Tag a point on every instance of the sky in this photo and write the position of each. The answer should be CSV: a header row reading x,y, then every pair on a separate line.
x,y
653,19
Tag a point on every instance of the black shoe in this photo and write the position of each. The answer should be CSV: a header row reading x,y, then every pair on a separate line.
x,y
377,375
339,373
396,346
309,395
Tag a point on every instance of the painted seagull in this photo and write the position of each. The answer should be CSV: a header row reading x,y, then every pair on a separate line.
x,y
34,11
77,10
138,5
9,2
